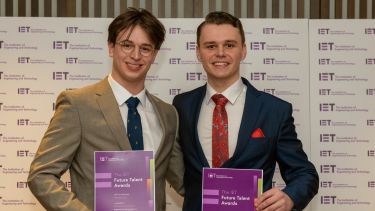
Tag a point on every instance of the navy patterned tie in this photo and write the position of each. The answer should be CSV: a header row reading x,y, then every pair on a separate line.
x,y
134,125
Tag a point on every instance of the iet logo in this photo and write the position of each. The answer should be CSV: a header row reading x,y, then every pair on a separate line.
x,y
327,137
325,122
71,29
60,45
1,75
174,30
257,76
325,153
268,60
60,75
325,184
23,91
174,60
370,122
1,43
327,169
326,107
257,46
24,122
324,91
371,153
371,184
324,61
68,184
370,60
323,31
23,60
24,29
193,76
71,60
326,76
328,199
268,30
23,153
370,91
22,185
326,46
369,30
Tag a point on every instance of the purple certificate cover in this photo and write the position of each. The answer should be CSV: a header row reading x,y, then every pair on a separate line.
x,y
124,181
230,189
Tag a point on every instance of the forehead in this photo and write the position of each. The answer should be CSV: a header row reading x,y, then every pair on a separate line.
x,y
219,33
136,35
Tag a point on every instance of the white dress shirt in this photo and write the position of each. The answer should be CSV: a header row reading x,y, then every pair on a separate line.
x,y
151,128
236,95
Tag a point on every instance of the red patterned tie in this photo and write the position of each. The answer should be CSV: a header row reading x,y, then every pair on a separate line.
x,y
220,152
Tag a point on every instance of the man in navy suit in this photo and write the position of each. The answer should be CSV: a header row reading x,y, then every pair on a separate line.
x,y
258,127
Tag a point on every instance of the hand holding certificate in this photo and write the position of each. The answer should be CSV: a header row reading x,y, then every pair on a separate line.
x,y
124,180
230,189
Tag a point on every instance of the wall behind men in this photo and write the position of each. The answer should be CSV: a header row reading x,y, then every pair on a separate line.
x,y
324,68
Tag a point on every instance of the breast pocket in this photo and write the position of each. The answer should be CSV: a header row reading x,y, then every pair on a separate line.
x,y
258,147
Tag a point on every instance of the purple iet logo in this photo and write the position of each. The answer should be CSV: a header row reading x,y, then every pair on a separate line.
x,y
191,46
23,60
1,106
24,29
71,60
174,30
1,43
60,75
268,30
371,153
270,91
370,91
327,169
257,46
23,91
371,184
23,122
1,75
71,29
326,76
193,76
326,107
326,46
371,122
370,60
60,45
257,76
369,30
326,137
324,61
268,60
22,185
325,122
23,153
174,92
323,31
325,184
328,199
325,153
174,60
68,184
324,91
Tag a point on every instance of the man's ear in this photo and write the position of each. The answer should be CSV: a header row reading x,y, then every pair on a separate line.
x,y
111,48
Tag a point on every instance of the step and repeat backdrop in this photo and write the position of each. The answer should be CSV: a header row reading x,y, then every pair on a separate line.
x,y
325,68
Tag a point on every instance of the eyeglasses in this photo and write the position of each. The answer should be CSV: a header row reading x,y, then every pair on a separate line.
x,y
128,47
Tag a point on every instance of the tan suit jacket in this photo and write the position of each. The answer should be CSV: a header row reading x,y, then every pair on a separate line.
x,y
88,120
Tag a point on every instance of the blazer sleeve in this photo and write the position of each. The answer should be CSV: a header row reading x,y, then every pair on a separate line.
x,y
176,167
300,175
54,156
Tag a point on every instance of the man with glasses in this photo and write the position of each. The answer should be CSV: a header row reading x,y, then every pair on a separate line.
x,y
115,114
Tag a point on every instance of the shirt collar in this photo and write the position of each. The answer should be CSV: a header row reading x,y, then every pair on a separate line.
x,y
231,93
121,94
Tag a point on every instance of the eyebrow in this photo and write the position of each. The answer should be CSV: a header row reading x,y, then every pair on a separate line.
x,y
214,42
143,44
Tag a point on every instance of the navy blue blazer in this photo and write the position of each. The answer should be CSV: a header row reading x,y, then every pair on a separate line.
x,y
274,117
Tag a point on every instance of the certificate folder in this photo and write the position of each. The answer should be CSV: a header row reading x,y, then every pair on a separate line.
x,y
124,181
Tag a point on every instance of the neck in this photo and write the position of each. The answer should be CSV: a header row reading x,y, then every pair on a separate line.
x,y
220,85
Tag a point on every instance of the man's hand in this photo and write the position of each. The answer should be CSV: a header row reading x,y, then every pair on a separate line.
x,y
273,200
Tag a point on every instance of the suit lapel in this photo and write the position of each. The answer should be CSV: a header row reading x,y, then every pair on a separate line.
x,y
249,117
111,112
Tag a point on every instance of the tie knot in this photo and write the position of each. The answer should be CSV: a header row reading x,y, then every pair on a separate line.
x,y
219,99
132,102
